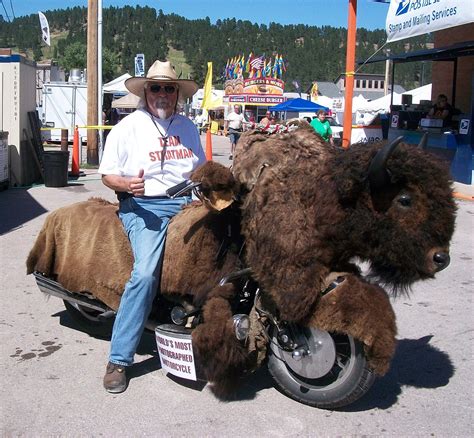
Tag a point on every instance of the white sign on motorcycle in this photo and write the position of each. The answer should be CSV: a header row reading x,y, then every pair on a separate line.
x,y
176,356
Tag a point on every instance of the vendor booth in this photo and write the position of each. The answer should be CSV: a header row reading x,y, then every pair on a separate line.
x,y
255,84
298,107
409,116
122,107
449,134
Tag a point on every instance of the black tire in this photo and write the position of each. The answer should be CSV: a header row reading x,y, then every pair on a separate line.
x,y
347,380
87,320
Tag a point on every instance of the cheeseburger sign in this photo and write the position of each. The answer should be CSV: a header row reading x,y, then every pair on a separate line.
x,y
263,84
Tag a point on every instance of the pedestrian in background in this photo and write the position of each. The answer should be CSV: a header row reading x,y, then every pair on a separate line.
x,y
233,125
267,119
322,126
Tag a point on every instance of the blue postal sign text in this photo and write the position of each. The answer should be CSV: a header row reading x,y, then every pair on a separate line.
x,y
408,18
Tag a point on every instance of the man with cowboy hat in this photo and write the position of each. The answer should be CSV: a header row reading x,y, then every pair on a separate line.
x,y
147,152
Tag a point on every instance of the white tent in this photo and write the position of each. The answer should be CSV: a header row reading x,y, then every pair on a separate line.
x,y
421,93
116,85
216,96
358,102
324,101
127,101
366,113
383,104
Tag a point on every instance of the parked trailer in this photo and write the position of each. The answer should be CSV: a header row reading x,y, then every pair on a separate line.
x,y
63,105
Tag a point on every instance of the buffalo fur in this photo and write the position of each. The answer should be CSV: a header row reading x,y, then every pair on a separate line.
x,y
84,247
215,177
308,210
363,311
221,355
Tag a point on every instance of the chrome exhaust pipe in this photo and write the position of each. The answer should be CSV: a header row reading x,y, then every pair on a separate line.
x,y
51,287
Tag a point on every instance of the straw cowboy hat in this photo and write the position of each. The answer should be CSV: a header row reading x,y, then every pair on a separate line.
x,y
161,72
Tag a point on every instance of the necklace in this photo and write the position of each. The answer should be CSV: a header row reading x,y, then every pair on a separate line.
x,y
163,135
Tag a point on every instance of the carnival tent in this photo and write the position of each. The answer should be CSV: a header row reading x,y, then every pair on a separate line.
x,y
366,113
298,105
116,85
325,101
383,104
127,101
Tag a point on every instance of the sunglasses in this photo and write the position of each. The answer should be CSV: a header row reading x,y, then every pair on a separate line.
x,y
169,89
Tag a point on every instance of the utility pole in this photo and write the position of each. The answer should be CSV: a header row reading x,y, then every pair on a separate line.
x,y
350,67
99,78
387,72
92,100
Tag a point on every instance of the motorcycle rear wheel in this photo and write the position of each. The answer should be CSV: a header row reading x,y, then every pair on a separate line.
x,y
88,320
348,377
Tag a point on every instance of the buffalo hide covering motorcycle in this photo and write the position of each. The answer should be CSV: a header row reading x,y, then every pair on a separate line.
x,y
261,270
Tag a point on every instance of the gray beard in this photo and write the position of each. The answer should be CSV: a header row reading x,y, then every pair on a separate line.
x,y
162,113
162,110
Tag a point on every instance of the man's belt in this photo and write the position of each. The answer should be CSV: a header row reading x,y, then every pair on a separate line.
x,y
122,196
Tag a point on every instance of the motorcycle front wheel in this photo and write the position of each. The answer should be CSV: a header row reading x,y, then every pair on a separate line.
x,y
332,373
88,320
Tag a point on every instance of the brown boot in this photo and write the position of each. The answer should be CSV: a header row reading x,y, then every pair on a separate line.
x,y
115,379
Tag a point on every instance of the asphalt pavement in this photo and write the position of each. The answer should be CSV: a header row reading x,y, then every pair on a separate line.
x,y
51,371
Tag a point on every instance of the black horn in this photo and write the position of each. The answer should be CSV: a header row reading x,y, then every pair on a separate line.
x,y
424,141
378,174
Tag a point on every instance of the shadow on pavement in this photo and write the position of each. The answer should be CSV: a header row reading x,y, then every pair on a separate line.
x,y
416,363
17,207
256,382
144,367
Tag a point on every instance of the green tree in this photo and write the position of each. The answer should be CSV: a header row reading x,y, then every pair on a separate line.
x,y
110,64
75,56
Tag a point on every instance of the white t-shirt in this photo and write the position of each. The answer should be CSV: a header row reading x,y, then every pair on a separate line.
x,y
199,119
136,143
235,120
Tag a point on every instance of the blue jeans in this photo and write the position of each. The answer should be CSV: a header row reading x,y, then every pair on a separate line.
x,y
146,222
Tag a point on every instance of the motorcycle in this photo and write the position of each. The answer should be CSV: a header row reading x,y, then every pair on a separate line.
x,y
320,368
312,366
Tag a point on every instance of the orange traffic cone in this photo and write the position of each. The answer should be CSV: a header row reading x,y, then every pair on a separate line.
x,y
75,153
209,145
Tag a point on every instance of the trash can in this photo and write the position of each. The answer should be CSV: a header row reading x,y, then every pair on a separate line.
x,y
55,168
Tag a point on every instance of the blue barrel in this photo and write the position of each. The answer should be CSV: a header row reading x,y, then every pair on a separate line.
x,y
56,165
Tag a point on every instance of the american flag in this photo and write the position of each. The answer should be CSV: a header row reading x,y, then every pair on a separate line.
x,y
257,63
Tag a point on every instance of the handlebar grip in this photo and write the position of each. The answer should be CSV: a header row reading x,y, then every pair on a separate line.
x,y
180,188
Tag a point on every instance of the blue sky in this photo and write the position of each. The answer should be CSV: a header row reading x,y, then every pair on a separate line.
x,y
370,15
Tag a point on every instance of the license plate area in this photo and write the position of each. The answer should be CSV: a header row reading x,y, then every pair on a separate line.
x,y
175,349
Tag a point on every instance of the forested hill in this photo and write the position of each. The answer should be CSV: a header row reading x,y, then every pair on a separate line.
x,y
311,53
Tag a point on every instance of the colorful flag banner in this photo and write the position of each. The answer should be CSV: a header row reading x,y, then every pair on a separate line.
x,y
257,63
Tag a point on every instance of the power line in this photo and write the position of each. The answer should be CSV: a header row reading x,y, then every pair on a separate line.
x,y
11,6
5,9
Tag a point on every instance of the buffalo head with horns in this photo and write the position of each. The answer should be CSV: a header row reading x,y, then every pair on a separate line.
x,y
309,209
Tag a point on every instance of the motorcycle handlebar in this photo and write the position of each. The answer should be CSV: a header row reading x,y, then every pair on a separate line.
x,y
181,188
